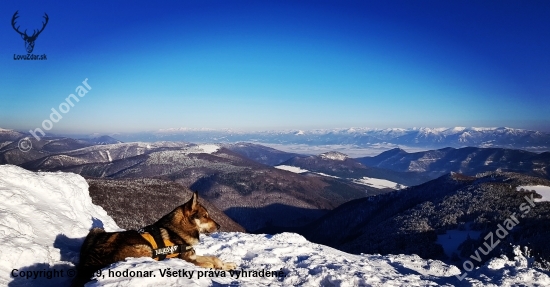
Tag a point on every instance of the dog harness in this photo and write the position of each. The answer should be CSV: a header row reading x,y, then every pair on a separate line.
x,y
162,248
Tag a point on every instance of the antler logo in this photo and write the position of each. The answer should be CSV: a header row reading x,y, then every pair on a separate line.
x,y
29,40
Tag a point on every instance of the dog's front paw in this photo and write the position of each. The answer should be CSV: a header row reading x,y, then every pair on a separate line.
x,y
229,266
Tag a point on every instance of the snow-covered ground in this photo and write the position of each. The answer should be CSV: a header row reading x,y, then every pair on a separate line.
x,y
334,155
290,168
43,220
540,189
379,183
372,182
327,175
203,148
369,181
296,169
44,217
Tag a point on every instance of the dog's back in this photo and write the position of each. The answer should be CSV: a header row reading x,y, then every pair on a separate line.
x,y
102,248
85,268
181,227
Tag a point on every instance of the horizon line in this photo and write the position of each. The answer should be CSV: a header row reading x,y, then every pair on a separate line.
x,y
299,130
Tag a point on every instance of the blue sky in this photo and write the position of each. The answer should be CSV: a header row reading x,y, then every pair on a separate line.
x,y
263,65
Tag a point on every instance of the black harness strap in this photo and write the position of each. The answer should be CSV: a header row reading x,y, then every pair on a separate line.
x,y
155,232
163,250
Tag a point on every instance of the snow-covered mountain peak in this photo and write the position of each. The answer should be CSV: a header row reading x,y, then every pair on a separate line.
x,y
359,137
11,134
458,129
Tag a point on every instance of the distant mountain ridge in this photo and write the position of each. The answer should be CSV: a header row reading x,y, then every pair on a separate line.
x,y
425,138
340,165
429,138
102,140
467,160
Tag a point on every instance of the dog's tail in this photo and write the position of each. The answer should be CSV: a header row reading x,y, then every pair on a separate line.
x,y
84,271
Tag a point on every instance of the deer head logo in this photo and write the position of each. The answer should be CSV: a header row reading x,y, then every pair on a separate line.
x,y
29,40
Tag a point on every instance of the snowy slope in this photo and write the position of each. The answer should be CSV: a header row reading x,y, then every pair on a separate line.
x,y
540,189
290,168
302,263
43,219
44,216
203,148
379,183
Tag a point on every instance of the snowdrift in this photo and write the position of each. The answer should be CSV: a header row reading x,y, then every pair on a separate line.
x,y
44,218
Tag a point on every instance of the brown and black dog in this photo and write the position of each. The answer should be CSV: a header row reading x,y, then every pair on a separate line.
x,y
180,227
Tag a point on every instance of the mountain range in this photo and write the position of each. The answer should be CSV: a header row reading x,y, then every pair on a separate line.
x,y
339,165
253,194
467,160
424,138
448,218
454,195
402,167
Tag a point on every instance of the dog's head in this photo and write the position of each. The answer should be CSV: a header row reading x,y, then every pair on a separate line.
x,y
199,216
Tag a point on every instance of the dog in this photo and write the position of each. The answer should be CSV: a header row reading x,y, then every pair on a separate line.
x,y
175,234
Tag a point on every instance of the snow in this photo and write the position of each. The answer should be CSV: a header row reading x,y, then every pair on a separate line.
x,y
379,183
290,168
348,130
482,129
458,129
334,155
203,148
3,144
373,182
303,264
540,189
327,175
44,217
209,148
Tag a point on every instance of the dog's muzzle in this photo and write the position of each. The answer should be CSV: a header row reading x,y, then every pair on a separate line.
x,y
210,231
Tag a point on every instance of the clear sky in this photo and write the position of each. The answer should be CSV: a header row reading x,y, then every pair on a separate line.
x,y
263,65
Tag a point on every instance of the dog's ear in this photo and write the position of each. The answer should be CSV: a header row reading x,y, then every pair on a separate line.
x,y
192,203
194,200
